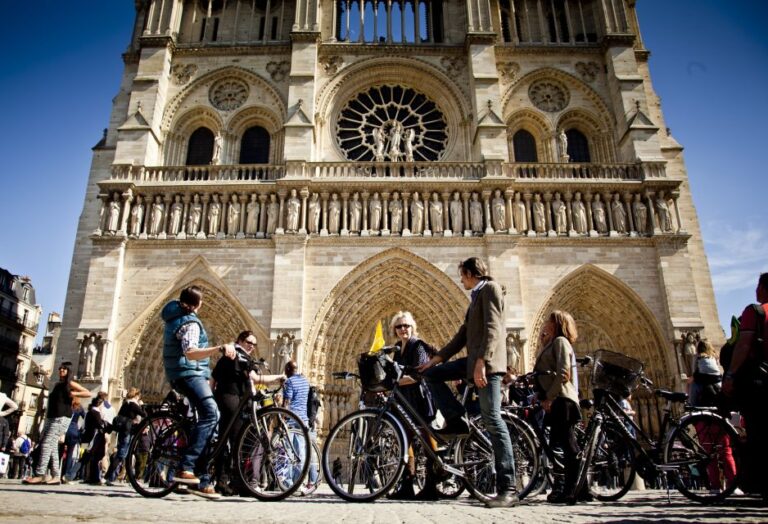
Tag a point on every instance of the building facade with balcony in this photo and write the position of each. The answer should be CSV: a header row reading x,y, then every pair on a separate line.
x,y
318,165
19,321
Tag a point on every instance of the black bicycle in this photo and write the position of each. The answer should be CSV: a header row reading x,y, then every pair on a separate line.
x,y
699,450
272,451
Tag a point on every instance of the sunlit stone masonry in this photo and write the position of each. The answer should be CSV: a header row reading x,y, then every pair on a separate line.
x,y
318,165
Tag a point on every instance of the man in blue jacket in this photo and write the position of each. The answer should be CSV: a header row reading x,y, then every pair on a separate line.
x,y
186,357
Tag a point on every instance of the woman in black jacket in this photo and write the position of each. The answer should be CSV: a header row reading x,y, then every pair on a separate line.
x,y
130,412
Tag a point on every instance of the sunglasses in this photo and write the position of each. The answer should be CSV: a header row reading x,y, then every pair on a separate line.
x,y
402,326
251,342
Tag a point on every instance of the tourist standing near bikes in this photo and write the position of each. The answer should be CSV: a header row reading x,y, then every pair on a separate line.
x,y
559,397
296,398
57,417
483,333
186,357
413,352
131,411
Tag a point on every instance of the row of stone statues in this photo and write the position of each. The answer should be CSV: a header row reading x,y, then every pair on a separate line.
x,y
397,213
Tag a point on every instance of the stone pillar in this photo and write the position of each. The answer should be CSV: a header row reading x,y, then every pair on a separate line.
x,y
204,219
675,195
406,213
127,199
569,214
608,201
467,226
425,196
324,198
508,194
224,200
281,193
168,199
652,213
487,211
364,227
261,232
385,213
548,215
148,200
344,213
304,193
182,234
628,208
588,206
527,198
243,213
446,215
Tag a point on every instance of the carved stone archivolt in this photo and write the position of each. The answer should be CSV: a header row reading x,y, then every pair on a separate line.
x,y
228,94
549,96
182,73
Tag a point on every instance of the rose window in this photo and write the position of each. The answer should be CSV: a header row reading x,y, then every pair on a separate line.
x,y
548,96
228,94
390,123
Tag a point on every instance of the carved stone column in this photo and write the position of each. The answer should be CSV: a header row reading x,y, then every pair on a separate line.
x,y
531,229
425,197
344,213
147,213
569,214
652,213
508,194
324,198
487,211
167,199
588,207
182,234
204,219
243,213
406,213
675,196
608,202
628,208
364,229
281,194
261,232
548,215
127,199
304,193
465,201
446,215
385,213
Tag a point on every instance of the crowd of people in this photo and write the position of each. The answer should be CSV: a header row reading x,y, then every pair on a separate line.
x,y
215,394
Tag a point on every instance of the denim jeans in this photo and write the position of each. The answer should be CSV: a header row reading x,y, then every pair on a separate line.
x,y
123,441
198,392
437,376
490,410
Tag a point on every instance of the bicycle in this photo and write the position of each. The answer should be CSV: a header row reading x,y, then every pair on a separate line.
x,y
272,450
366,451
696,449
310,487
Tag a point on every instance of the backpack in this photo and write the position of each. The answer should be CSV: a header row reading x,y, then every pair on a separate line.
x,y
313,405
25,446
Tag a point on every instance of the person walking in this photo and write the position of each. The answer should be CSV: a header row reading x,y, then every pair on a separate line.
x,y
72,442
57,417
94,435
131,412
483,334
295,398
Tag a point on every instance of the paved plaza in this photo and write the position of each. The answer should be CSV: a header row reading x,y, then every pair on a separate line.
x,y
81,503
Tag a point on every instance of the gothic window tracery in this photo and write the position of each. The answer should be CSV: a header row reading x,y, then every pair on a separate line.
x,y
386,22
549,21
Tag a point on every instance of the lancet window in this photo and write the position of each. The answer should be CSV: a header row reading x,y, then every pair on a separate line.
x,y
549,21
254,146
578,146
200,147
389,21
524,146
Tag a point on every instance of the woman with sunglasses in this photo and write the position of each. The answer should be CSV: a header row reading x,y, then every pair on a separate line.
x,y
412,351
57,417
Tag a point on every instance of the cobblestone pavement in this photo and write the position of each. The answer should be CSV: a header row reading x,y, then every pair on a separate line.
x,y
119,504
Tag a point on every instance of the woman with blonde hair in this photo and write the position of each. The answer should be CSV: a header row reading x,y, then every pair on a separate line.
x,y
412,351
559,396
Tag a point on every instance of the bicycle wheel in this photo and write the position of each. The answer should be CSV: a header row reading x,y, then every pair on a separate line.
x,y
527,456
364,455
155,452
612,470
587,455
450,487
705,450
273,455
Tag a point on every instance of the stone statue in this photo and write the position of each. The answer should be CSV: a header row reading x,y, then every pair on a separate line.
x,y
456,210
662,210
476,214
113,218
374,213
640,212
252,216
355,213
293,209
579,215
334,214
137,217
513,351
560,213
519,214
539,214
273,209
562,140
233,216
395,135
90,356
396,213
379,141
436,214
313,213
177,210
195,216
417,214
688,354
156,222
498,211
409,137
214,216
284,350
619,214
218,141
598,215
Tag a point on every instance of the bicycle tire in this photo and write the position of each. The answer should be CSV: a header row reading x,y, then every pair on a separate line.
x,y
273,458
150,472
450,487
364,455
701,446
612,470
587,454
526,448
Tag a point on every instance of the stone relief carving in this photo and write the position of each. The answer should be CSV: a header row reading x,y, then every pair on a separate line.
x,y
560,215
587,70
519,215
278,70
273,209
294,209
640,214
686,349
331,64
195,216
90,351
374,213
183,73
214,216
137,217
396,212
158,212
436,214
417,214
113,214
515,343
619,214
228,94
355,213
313,216
252,216
334,215
453,65
177,210
539,215
456,211
498,212
476,214
508,71
579,215
284,350
549,96
598,215
233,216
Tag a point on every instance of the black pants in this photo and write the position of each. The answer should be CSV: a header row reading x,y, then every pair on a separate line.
x,y
756,460
228,405
562,420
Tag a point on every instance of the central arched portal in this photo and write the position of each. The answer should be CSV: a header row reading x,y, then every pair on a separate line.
x,y
375,290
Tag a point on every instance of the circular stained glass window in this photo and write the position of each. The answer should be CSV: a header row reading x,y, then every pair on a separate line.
x,y
391,123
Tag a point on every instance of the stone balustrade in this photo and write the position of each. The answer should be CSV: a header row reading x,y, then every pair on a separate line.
x,y
416,170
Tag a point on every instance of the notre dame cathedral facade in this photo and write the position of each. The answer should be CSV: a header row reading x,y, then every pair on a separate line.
x,y
318,165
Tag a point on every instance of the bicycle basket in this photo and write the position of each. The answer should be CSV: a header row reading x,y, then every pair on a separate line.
x,y
615,373
377,372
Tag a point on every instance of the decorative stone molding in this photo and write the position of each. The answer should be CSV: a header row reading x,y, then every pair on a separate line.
x,y
587,70
228,94
508,71
278,70
549,96
182,73
331,64
453,65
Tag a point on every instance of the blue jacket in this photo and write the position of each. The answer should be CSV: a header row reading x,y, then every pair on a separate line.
x,y
177,365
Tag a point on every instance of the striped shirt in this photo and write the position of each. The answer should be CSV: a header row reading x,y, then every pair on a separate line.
x,y
296,394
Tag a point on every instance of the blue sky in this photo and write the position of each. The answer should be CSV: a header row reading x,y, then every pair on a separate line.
x,y
61,66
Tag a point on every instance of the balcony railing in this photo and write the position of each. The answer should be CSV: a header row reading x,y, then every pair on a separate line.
x,y
417,170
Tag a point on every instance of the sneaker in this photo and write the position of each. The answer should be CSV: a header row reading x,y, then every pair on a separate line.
x,y
505,499
207,492
738,492
186,477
